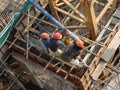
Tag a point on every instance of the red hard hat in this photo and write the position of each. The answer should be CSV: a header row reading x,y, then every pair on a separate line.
x,y
45,35
57,36
80,43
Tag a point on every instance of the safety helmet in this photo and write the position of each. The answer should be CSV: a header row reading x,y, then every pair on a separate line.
x,y
80,43
57,36
45,35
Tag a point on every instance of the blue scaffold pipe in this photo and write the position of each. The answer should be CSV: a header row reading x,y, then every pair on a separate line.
x,y
71,34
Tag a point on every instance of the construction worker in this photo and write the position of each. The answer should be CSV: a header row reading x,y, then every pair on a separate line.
x,y
46,40
55,43
72,52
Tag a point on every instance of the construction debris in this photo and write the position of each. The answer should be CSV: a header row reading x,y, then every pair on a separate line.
x,y
24,57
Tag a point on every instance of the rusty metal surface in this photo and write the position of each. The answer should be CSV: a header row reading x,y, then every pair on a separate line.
x,y
62,71
87,76
81,77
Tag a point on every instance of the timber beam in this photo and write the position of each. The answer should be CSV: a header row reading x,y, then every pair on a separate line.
x,y
113,68
62,3
75,10
98,65
54,12
75,27
62,72
72,12
70,15
104,10
91,19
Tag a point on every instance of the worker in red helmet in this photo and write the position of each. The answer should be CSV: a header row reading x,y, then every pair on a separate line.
x,y
46,40
55,42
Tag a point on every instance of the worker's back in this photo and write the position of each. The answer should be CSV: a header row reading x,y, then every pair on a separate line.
x,y
46,42
72,50
53,44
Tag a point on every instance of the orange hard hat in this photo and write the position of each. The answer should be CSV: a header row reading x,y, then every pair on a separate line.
x,y
45,35
80,43
57,36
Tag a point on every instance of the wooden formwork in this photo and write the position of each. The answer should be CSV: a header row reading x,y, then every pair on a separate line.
x,y
104,55
7,9
83,14
49,65
82,82
91,73
22,24
71,73
82,79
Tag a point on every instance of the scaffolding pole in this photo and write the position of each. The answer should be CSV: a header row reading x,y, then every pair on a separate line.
x,y
71,34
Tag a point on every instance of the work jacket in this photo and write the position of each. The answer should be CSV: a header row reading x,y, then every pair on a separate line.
x,y
46,43
54,44
72,50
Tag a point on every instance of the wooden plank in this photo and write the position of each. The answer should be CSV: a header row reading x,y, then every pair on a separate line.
x,y
69,15
91,19
113,68
68,18
37,74
98,70
52,5
75,10
107,55
104,10
111,49
33,14
76,27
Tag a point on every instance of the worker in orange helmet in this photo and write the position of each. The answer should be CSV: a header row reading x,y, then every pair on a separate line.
x,y
72,53
45,35
55,43
73,50
46,40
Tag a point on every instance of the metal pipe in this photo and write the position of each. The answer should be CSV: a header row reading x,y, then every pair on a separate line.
x,y
71,34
